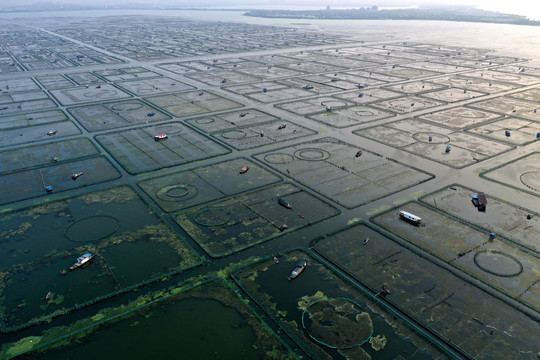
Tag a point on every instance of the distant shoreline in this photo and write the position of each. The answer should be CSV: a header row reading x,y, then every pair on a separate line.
x,y
459,14
454,14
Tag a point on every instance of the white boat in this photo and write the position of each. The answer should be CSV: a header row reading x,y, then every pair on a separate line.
x,y
410,217
82,260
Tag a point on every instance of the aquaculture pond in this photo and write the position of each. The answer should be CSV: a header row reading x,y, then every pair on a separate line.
x,y
205,322
327,316
446,304
40,244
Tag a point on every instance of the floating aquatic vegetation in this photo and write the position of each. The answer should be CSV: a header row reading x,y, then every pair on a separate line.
x,y
97,317
23,345
337,323
5,235
44,209
119,194
378,342
307,300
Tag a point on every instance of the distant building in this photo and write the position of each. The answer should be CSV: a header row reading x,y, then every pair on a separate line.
x,y
374,8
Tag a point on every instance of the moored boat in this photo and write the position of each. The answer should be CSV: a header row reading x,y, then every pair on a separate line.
x,y
298,269
82,260
407,216
283,202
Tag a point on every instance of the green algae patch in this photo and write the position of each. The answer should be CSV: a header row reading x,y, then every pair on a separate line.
x,y
19,231
307,300
22,345
98,317
119,194
378,342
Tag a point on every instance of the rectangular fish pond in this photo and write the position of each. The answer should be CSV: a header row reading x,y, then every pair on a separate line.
x,y
327,316
227,226
40,243
209,322
449,305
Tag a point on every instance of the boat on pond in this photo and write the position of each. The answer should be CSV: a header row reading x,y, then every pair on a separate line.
x,y
298,269
407,216
283,202
81,261
480,201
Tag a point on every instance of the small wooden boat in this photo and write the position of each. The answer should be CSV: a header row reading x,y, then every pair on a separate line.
x,y
76,175
384,291
283,202
359,153
244,170
282,126
480,201
298,269
276,260
365,241
81,261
